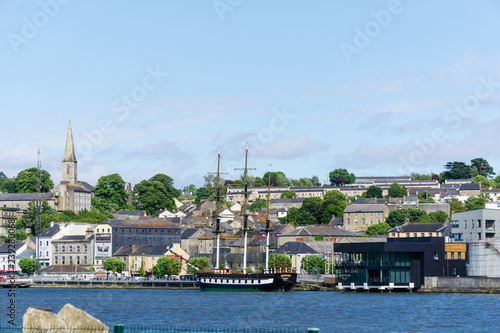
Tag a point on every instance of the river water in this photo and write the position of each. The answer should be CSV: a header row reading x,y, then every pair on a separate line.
x,y
329,311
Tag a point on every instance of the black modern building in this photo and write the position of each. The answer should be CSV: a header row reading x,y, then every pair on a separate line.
x,y
151,233
399,261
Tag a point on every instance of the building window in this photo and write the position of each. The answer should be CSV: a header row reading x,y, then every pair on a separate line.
x,y
85,260
55,248
452,255
459,255
47,243
70,260
78,260
55,260
454,270
436,255
71,248
63,248
371,221
85,249
63,260
363,220
78,248
355,221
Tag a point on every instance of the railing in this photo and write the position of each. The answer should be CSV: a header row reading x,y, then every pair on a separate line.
x,y
145,329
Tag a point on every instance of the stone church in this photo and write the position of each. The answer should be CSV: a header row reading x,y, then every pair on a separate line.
x,y
71,194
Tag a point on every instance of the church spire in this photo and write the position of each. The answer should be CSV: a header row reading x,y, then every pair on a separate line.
x,y
69,163
69,153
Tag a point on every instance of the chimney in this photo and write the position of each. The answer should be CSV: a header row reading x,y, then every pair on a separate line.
x,y
51,223
89,232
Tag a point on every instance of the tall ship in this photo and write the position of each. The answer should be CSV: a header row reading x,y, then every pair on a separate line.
x,y
270,279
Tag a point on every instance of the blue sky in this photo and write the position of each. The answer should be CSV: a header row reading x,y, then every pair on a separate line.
x,y
377,87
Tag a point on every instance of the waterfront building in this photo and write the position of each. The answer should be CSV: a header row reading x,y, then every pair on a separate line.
x,y
398,263
127,232
44,242
296,251
74,249
5,252
102,243
476,225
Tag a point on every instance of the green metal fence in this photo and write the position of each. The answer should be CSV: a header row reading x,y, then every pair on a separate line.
x,y
147,329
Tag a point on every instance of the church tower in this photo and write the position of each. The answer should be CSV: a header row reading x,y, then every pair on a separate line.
x,y
69,162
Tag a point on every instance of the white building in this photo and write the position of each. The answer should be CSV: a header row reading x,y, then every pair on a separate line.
x,y
476,225
57,231
4,254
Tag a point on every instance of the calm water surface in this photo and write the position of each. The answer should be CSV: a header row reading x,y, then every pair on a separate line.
x,y
330,311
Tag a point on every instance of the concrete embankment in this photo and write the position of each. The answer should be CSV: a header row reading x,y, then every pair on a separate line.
x,y
462,285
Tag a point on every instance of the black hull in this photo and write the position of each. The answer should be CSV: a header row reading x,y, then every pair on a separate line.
x,y
246,282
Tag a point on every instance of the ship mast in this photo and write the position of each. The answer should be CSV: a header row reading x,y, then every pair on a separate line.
x,y
216,216
268,225
245,213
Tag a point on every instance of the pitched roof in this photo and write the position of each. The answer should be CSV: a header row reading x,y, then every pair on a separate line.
x,y
470,187
51,231
319,230
141,224
25,196
295,248
79,188
4,248
364,208
87,185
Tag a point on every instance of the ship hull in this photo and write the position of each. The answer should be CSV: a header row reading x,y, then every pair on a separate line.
x,y
246,282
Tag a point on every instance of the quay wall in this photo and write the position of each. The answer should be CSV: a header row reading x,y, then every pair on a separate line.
x,y
462,284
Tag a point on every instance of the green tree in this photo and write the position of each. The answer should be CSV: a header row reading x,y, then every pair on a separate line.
x,y
340,177
113,264
203,193
457,206
293,215
424,197
478,202
7,185
288,195
313,264
306,218
417,176
278,178
457,170
168,183
202,263
168,266
28,266
315,181
334,203
257,205
485,182
378,229
152,196
397,191
315,207
439,216
373,192
110,193
26,181
398,216
278,260
481,167
141,271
